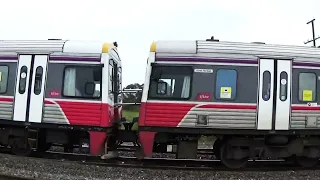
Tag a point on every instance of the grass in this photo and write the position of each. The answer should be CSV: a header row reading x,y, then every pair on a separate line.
x,y
130,114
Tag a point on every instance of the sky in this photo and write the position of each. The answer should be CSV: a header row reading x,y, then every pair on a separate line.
x,y
134,24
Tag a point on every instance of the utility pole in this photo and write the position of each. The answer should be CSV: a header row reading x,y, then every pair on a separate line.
x,y
313,34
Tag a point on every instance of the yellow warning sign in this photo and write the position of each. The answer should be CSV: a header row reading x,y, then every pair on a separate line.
x,y
225,92
307,95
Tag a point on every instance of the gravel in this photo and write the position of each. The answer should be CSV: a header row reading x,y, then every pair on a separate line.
x,y
50,169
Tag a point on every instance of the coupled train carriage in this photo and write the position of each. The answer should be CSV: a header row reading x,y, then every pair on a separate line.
x,y
58,92
257,100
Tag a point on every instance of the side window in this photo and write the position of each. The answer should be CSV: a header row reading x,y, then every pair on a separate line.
x,y
266,85
171,82
283,85
82,81
111,88
4,70
119,84
23,79
307,86
119,79
226,84
38,80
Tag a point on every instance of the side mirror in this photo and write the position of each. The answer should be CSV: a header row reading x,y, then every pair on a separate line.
x,y
89,88
162,88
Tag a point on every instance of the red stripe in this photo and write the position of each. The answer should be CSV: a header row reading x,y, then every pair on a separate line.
x,y
6,99
307,108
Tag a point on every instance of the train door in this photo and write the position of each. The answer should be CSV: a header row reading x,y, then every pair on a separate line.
x,y
274,102
30,88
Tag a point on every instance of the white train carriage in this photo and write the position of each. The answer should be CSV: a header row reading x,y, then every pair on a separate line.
x,y
58,91
258,100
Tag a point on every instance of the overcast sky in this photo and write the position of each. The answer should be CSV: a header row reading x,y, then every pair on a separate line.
x,y
134,24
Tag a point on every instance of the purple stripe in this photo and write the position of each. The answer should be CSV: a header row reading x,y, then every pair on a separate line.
x,y
61,58
8,57
217,60
305,64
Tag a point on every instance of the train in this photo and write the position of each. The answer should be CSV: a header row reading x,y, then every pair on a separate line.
x,y
256,100
59,92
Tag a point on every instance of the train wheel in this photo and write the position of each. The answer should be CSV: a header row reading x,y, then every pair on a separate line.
x,y
306,161
20,147
229,162
216,148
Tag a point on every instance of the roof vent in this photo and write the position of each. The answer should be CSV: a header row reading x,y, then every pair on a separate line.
x,y
212,39
258,42
55,39
115,44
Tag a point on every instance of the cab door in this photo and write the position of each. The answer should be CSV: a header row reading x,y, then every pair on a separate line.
x,y
30,88
274,98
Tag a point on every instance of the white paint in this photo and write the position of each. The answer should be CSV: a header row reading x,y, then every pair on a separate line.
x,y
203,70
265,107
20,100
189,47
36,101
282,118
147,75
75,46
105,79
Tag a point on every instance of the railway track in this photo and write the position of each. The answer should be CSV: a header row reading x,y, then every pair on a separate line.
x,y
165,163
11,177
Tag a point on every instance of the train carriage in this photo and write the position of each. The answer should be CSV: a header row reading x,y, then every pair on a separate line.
x,y
58,91
257,100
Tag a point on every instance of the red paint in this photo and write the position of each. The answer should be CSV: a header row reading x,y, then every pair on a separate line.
x,y
204,96
105,115
171,114
147,139
306,108
80,113
6,99
97,140
165,114
54,93
142,114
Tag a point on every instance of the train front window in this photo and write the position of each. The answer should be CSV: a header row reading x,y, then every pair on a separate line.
x,y
76,77
170,82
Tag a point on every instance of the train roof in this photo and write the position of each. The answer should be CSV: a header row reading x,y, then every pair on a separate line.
x,y
56,46
255,49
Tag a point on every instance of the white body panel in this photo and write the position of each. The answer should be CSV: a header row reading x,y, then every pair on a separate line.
x,y
36,101
82,46
20,100
189,47
145,90
237,49
283,108
265,107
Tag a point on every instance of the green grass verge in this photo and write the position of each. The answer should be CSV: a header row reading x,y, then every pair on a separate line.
x,y
129,114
